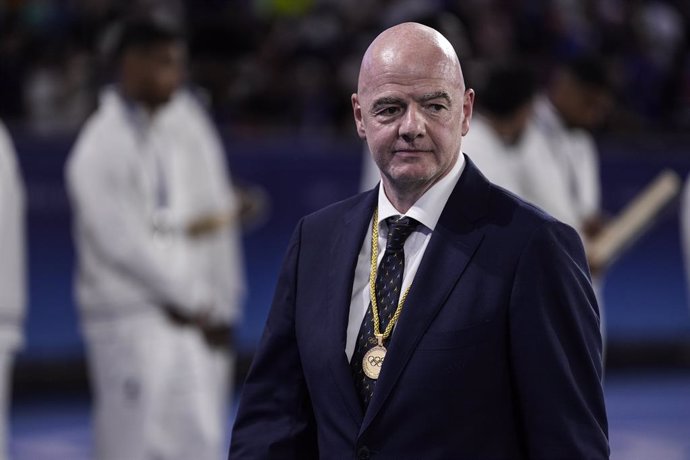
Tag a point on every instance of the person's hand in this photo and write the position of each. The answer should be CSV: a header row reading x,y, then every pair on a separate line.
x,y
592,228
595,269
181,318
218,335
208,224
254,205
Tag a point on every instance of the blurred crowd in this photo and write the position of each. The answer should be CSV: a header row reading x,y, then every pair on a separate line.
x,y
289,66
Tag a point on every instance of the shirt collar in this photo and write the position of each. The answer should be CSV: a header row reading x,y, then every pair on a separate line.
x,y
140,119
427,210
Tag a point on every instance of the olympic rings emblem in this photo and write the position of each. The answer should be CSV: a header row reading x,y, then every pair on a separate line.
x,y
376,361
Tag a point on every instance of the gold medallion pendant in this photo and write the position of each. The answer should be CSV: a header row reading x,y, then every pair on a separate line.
x,y
373,361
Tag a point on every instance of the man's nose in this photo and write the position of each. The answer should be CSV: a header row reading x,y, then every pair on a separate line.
x,y
412,124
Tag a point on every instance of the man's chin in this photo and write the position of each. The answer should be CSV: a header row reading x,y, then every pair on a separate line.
x,y
408,180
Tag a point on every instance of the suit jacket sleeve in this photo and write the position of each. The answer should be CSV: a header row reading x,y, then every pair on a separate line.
x,y
556,349
275,418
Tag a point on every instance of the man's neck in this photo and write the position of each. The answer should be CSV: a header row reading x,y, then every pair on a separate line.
x,y
404,195
132,97
401,203
507,129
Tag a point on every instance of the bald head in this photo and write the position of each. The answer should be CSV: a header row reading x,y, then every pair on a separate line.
x,y
409,48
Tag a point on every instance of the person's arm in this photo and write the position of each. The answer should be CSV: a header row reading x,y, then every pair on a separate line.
x,y
275,418
216,230
556,350
111,215
12,240
227,279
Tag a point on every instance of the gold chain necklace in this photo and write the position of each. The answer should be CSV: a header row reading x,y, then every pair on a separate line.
x,y
373,359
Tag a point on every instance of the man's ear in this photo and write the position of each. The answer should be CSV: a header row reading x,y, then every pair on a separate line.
x,y
467,108
357,111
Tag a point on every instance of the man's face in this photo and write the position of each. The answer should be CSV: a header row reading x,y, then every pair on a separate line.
x,y
413,114
585,106
157,70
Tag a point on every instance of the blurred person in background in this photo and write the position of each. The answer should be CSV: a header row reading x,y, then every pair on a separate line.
x,y
497,140
12,274
505,143
577,100
160,278
58,95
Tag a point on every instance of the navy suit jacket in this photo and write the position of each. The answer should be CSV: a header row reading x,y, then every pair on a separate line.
x,y
497,353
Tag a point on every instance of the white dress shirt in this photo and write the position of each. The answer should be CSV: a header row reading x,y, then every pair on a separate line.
x,y
427,210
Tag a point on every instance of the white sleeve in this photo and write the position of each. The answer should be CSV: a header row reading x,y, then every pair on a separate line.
x,y
12,244
227,276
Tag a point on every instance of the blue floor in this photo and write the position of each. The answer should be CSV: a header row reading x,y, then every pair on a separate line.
x,y
649,417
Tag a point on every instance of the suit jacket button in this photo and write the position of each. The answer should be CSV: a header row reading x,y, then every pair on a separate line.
x,y
363,453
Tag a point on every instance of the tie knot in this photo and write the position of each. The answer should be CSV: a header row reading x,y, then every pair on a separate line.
x,y
398,231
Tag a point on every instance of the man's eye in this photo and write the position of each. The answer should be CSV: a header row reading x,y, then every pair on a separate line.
x,y
388,111
436,107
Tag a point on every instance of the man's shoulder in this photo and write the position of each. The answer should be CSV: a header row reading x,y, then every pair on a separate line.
x,y
104,124
340,211
102,142
513,227
95,127
477,196
515,214
186,110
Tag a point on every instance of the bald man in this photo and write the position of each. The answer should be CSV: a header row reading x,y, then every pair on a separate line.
x,y
435,316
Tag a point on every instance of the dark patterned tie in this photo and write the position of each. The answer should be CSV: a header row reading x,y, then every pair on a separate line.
x,y
388,285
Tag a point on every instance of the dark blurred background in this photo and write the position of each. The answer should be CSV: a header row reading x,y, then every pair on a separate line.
x,y
283,67
277,76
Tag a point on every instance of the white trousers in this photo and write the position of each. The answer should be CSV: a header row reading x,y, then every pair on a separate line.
x,y
159,391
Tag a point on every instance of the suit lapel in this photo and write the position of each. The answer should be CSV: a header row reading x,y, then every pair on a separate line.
x,y
452,245
347,243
